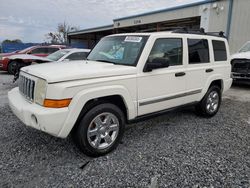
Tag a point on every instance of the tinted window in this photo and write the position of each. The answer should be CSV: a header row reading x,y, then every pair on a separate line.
x,y
52,50
40,51
77,56
220,53
171,49
198,51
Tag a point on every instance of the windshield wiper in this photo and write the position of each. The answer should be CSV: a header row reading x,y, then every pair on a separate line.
x,y
106,61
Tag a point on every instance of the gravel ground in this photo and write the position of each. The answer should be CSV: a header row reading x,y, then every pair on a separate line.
x,y
178,149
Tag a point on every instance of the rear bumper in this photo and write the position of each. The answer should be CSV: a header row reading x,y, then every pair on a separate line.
x,y
227,84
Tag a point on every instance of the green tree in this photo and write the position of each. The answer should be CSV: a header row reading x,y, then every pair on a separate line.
x,y
15,41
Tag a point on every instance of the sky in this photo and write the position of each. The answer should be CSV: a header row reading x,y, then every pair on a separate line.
x,y
30,20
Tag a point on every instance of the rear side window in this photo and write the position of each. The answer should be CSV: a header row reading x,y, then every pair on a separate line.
x,y
198,51
220,53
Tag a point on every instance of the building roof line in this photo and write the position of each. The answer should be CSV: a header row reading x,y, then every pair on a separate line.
x,y
111,26
102,28
166,9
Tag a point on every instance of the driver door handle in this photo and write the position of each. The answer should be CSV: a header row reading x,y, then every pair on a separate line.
x,y
178,74
209,70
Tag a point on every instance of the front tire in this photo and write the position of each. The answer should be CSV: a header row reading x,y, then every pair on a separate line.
x,y
12,67
210,103
100,130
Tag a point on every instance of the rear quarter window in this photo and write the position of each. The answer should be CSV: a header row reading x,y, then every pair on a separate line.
x,y
220,52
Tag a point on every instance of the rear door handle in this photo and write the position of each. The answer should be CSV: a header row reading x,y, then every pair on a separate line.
x,y
209,70
180,74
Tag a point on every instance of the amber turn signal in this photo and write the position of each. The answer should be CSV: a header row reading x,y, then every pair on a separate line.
x,y
52,103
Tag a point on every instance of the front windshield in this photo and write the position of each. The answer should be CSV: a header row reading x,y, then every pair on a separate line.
x,y
124,50
57,55
245,48
25,50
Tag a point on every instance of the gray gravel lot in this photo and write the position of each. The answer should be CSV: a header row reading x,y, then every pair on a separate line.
x,y
178,149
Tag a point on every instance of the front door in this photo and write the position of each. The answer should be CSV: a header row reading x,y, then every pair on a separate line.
x,y
162,88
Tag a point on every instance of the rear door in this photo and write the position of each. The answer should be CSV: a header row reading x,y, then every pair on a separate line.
x,y
199,67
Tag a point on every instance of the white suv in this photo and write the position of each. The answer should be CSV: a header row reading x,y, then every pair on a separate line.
x,y
126,77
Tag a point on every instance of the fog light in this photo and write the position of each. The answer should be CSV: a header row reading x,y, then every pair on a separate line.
x,y
34,120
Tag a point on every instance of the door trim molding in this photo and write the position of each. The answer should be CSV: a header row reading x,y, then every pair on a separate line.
x,y
170,97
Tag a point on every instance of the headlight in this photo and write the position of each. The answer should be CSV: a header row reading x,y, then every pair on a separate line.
x,y
40,91
2,58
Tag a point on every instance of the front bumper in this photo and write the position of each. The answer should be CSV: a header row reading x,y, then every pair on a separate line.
x,y
49,120
240,76
1,65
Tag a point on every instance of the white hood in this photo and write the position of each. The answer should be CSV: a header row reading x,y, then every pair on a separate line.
x,y
242,55
65,71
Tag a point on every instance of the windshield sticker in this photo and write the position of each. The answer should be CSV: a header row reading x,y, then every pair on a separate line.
x,y
132,39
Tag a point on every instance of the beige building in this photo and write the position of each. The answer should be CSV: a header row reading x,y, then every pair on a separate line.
x,y
230,16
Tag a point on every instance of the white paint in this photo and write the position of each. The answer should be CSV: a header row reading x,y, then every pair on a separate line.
x,y
86,80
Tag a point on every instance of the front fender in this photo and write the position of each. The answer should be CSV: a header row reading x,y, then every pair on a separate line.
x,y
80,99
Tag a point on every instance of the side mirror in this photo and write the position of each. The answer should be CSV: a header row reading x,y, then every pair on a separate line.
x,y
156,64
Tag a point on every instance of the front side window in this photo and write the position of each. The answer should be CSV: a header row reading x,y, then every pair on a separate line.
x,y
169,49
220,52
52,50
198,51
124,50
77,56
39,51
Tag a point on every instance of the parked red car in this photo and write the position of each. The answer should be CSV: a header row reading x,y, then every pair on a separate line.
x,y
9,65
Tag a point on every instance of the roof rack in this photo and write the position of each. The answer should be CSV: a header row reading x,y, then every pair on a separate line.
x,y
200,31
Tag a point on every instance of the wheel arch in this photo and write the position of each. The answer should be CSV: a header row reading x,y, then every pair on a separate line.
x,y
13,60
219,83
117,95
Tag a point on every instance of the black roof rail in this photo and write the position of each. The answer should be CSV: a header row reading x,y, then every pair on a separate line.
x,y
218,34
200,31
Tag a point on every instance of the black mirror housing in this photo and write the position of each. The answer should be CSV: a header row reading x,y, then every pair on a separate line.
x,y
156,64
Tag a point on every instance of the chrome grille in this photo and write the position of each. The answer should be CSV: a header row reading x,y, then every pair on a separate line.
x,y
26,87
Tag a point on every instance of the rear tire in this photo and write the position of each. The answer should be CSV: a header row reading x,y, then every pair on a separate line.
x,y
210,103
100,130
